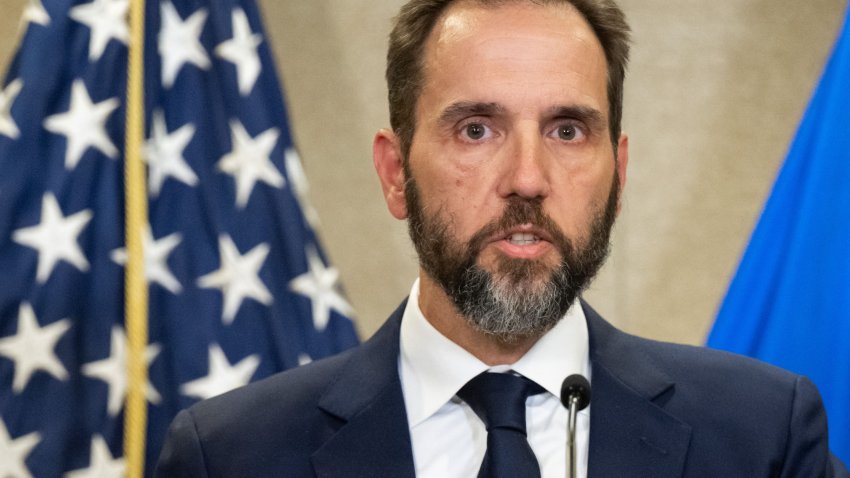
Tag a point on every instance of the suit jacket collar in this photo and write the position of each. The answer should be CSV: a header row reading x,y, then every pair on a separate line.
x,y
373,439
629,428
630,432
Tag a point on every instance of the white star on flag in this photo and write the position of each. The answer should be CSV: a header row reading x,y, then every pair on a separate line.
x,y
241,50
227,222
113,371
83,125
156,259
8,127
319,284
180,42
107,19
31,348
35,13
248,161
55,238
101,462
13,453
238,277
164,154
222,376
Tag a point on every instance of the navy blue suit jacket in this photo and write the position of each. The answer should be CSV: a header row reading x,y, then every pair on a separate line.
x,y
659,410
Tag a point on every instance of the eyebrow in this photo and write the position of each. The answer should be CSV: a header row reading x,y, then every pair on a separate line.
x,y
592,117
463,109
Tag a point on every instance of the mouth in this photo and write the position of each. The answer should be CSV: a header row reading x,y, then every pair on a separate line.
x,y
523,242
525,234
522,238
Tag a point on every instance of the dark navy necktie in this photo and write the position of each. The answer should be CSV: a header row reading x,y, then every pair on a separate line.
x,y
499,400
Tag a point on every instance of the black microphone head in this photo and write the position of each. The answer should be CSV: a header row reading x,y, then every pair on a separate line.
x,y
577,385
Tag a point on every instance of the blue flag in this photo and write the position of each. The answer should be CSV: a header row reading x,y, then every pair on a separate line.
x,y
789,303
239,286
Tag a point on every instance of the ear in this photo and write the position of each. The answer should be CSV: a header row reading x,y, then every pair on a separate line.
x,y
622,164
386,154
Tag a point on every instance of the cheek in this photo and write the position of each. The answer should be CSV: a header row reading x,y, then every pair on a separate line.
x,y
579,197
453,187
463,207
590,178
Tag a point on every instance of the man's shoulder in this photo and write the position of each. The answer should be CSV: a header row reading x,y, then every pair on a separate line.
x,y
311,396
682,363
762,420
294,389
718,393
701,375
712,367
271,424
279,422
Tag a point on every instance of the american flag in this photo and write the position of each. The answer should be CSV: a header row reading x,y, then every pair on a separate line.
x,y
239,286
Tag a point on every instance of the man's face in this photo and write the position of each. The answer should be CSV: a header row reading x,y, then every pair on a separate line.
x,y
512,185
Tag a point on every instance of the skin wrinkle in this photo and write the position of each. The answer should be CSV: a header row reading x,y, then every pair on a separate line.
x,y
458,25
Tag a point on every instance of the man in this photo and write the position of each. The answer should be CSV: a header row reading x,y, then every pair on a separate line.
x,y
506,158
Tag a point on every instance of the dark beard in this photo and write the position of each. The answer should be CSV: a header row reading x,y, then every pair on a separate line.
x,y
522,298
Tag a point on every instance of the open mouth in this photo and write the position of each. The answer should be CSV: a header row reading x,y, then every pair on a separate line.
x,y
523,238
525,241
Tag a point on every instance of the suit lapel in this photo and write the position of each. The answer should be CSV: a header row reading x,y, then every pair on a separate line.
x,y
373,439
630,432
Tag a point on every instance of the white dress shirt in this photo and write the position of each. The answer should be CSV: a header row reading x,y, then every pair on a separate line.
x,y
448,439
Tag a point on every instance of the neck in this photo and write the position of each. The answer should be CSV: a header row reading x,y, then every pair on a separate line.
x,y
441,313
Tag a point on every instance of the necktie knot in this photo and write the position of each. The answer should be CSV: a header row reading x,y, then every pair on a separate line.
x,y
499,399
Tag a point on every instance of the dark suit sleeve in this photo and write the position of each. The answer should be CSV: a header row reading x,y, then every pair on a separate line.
x,y
182,455
807,453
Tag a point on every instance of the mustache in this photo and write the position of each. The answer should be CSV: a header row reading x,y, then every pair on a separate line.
x,y
519,211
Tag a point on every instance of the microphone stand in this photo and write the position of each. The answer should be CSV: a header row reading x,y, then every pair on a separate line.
x,y
571,436
575,395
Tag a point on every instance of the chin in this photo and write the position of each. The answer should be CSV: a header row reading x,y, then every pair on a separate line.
x,y
526,275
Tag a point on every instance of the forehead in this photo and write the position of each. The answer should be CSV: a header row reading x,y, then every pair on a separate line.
x,y
518,44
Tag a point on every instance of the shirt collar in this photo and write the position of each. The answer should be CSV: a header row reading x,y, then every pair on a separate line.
x,y
560,353
433,368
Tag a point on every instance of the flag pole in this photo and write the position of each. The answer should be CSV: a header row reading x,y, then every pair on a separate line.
x,y
136,292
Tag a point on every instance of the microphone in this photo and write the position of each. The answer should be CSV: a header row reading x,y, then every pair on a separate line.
x,y
575,395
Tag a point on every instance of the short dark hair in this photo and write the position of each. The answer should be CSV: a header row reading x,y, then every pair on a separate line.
x,y
417,18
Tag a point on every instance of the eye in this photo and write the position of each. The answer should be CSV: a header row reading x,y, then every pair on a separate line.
x,y
475,131
570,132
567,132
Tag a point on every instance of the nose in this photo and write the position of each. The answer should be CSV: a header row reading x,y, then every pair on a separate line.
x,y
525,174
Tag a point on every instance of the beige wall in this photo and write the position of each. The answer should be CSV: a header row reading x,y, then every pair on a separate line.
x,y
714,94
